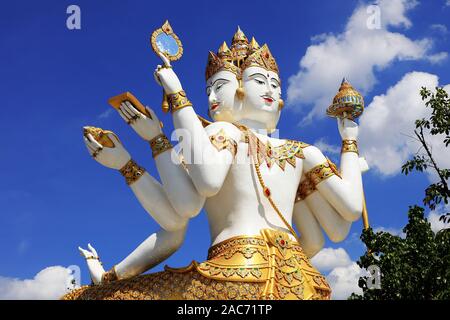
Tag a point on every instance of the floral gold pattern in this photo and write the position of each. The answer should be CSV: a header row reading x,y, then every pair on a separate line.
x,y
222,141
286,153
178,100
321,172
159,144
236,269
132,172
349,146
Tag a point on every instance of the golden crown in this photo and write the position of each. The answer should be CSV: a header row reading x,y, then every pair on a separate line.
x,y
241,55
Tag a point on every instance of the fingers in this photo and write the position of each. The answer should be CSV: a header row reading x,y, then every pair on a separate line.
x,y
132,110
122,115
83,252
92,250
165,59
89,146
155,74
125,111
152,114
94,142
114,138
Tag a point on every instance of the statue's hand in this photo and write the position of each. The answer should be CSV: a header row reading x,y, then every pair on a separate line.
x,y
114,157
166,77
94,265
348,129
146,126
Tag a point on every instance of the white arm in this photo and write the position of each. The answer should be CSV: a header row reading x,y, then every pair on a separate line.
x,y
207,166
149,192
176,182
344,194
154,200
155,249
311,236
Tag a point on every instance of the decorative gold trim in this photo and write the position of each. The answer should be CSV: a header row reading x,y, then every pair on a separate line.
x,y
178,100
101,136
159,144
132,172
322,172
110,276
305,188
349,146
222,141
167,29
280,155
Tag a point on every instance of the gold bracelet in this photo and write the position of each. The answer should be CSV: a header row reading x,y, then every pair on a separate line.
x,y
305,188
349,146
159,144
132,172
178,100
110,276
322,172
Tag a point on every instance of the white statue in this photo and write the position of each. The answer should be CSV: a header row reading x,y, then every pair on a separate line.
x,y
253,187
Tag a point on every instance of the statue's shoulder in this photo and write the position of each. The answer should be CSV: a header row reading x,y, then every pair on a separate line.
x,y
226,128
298,143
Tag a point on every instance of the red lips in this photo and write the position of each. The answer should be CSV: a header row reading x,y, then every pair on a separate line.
x,y
214,106
268,100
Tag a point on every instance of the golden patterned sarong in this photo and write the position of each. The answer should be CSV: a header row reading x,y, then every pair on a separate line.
x,y
266,266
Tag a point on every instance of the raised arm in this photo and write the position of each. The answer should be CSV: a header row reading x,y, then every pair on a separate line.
x,y
177,186
152,251
208,165
342,190
312,213
148,191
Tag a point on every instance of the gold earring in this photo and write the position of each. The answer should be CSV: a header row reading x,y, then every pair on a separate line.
x,y
240,92
280,104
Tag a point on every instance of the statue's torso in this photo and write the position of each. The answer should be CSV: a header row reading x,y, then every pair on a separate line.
x,y
240,207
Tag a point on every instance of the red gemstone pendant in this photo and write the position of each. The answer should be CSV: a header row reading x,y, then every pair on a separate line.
x,y
267,192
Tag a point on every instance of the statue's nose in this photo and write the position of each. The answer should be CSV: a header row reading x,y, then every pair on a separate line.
x,y
212,97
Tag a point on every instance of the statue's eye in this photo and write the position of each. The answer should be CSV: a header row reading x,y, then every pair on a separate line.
x,y
274,86
219,86
208,91
259,81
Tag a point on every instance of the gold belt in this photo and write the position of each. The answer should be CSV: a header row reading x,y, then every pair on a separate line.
x,y
272,258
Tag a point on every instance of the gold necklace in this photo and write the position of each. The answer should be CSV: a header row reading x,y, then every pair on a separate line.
x,y
266,191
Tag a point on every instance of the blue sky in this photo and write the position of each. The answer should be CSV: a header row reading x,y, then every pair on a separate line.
x,y
54,197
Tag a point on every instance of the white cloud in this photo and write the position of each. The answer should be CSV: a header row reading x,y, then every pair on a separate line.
x,y
328,259
393,231
441,28
50,283
357,53
433,218
387,125
325,147
105,114
343,273
344,281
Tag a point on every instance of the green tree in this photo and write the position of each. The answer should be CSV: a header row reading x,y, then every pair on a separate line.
x,y
416,266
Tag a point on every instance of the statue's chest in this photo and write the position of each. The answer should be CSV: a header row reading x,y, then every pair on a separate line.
x,y
279,166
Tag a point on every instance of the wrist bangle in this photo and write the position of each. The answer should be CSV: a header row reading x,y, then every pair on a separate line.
x,y
132,172
110,276
159,144
178,100
349,146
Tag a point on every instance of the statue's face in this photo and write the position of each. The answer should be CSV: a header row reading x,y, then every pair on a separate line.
x,y
262,94
222,99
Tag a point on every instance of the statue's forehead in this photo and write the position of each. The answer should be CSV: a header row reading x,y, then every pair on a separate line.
x,y
267,73
223,74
